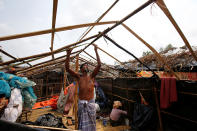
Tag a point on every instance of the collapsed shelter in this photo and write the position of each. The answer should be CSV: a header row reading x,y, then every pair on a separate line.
x,y
125,83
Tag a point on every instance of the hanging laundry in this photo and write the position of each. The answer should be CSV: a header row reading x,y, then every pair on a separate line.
x,y
14,107
70,99
61,101
168,92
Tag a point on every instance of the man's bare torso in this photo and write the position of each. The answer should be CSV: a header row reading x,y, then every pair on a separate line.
x,y
86,88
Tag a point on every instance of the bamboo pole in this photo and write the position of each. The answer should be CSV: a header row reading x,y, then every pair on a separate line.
x,y
47,53
164,8
50,128
90,28
44,62
119,22
96,60
110,55
33,59
76,94
55,3
158,109
56,30
50,62
82,59
41,66
36,59
5,53
180,117
35,72
152,49
132,101
129,53
65,78
101,63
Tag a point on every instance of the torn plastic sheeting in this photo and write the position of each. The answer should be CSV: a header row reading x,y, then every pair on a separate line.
x,y
21,82
6,76
5,88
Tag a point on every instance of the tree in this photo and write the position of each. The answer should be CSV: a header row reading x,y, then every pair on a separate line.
x,y
145,53
169,47
161,49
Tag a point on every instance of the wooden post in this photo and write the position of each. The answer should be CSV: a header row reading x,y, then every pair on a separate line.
x,y
47,86
65,78
76,94
55,3
158,109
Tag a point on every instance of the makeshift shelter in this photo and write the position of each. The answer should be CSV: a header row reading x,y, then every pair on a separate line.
x,y
117,84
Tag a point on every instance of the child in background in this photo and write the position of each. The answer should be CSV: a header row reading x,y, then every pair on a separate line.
x,y
117,116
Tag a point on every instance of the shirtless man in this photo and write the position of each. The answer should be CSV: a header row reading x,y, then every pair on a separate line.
x,y
86,106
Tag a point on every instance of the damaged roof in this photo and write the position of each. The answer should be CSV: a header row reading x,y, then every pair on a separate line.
x,y
55,58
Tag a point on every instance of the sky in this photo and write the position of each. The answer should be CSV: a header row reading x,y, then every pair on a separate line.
x,y
22,16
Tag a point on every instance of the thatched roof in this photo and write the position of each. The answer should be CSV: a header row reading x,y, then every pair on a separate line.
x,y
175,57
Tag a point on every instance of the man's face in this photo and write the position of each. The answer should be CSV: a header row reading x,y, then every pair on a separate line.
x,y
85,68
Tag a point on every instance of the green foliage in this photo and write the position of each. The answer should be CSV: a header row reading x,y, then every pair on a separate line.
x,y
161,49
169,47
166,49
145,53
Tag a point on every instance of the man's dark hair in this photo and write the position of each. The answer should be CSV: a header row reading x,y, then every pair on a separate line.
x,y
83,65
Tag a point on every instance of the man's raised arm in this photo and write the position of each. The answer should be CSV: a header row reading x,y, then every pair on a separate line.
x,y
67,65
96,70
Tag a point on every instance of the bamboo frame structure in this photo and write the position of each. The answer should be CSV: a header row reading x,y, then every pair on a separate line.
x,y
110,55
90,28
7,54
55,3
119,22
56,30
164,8
42,64
96,60
58,62
152,49
47,53
129,54
76,93
84,60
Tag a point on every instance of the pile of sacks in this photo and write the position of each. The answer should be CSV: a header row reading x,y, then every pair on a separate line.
x,y
20,93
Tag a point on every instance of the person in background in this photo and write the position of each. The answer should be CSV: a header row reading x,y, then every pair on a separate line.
x,y
117,116
86,103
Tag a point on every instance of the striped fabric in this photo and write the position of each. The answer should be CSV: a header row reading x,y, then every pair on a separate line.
x,y
86,115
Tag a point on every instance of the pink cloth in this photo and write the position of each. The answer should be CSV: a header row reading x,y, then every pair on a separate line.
x,y
168,92
70,99
116,113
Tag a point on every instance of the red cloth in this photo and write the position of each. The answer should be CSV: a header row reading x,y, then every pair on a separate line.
x,y
51,102
168,92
